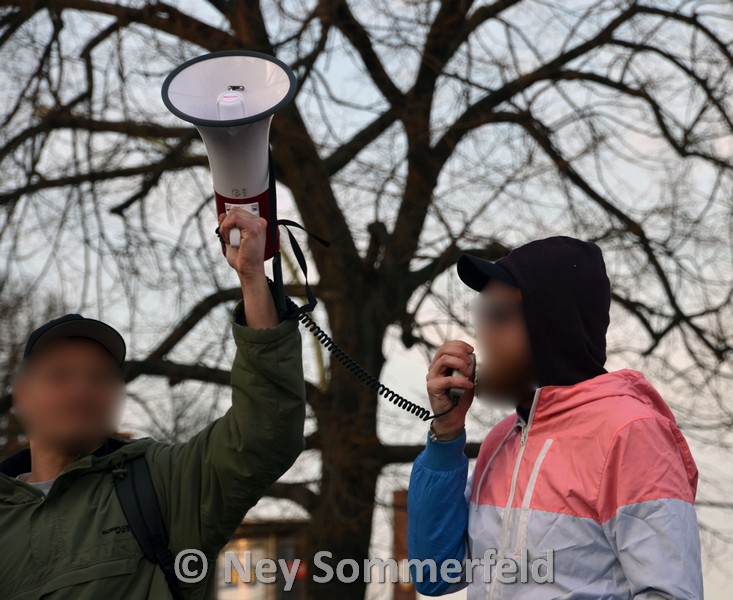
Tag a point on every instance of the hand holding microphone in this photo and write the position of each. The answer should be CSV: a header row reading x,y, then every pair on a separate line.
x,y
452,356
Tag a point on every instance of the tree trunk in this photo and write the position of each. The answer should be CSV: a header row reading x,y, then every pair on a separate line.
x,y
342,521
351,456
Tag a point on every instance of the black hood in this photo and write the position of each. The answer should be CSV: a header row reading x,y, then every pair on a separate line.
x,y
566,297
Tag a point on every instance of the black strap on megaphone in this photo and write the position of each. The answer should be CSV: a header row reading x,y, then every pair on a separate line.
x,y
292,312
288,310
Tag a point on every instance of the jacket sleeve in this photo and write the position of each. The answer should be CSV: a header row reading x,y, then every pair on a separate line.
x,y
646,500
437,515
207,484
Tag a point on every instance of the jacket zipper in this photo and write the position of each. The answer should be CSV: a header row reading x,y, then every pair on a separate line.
x,y
522,441
505,517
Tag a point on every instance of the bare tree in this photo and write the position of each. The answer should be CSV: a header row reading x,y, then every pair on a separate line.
x,y
421,130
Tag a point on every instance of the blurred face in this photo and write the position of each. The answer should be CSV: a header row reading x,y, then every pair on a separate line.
x,y
506,372
69,395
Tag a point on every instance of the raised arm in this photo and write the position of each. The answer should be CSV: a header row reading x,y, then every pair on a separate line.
x,y
437,508
207,484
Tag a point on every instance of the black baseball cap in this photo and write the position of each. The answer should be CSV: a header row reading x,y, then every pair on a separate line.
x,y
74,325
475,272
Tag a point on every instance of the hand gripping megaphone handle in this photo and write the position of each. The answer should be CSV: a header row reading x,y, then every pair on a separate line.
x,y
235,235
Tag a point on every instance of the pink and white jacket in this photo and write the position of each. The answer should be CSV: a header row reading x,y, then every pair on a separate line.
x,y
599,474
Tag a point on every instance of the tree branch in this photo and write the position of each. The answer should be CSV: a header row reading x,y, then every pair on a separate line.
x,y
425,164
158,15
296,492
539,133
175,373
449,257
345,153
345,21
405,454
183,162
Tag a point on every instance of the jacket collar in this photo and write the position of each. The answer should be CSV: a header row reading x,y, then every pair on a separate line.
x,y
20,462
553,400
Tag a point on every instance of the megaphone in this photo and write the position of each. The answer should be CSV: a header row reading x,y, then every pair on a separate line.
x,y
230,97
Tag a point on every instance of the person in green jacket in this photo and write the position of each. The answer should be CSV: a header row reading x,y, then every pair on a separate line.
x,y
63,533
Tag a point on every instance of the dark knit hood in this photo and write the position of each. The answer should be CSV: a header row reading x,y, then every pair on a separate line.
x,y
566,298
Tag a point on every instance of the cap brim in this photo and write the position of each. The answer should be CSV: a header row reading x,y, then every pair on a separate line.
x,y
92,329
476,272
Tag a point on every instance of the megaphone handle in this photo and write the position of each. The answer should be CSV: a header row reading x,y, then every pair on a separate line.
x,y
234,237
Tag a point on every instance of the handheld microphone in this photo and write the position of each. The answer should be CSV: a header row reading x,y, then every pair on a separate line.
x,y
455,394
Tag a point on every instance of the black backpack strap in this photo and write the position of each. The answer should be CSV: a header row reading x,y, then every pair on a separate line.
x,y
140,506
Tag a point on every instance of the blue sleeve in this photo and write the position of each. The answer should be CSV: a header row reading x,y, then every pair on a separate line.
x,y
437,515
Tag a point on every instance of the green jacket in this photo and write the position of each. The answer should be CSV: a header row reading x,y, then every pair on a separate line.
x,y
75,543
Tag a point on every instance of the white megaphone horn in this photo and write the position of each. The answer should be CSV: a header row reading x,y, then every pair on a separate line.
x,y
230,97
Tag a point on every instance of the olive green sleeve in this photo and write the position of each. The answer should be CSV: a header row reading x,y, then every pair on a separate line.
x,y
207,484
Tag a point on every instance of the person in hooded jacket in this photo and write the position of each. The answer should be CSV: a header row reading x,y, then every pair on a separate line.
x,y
587,488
